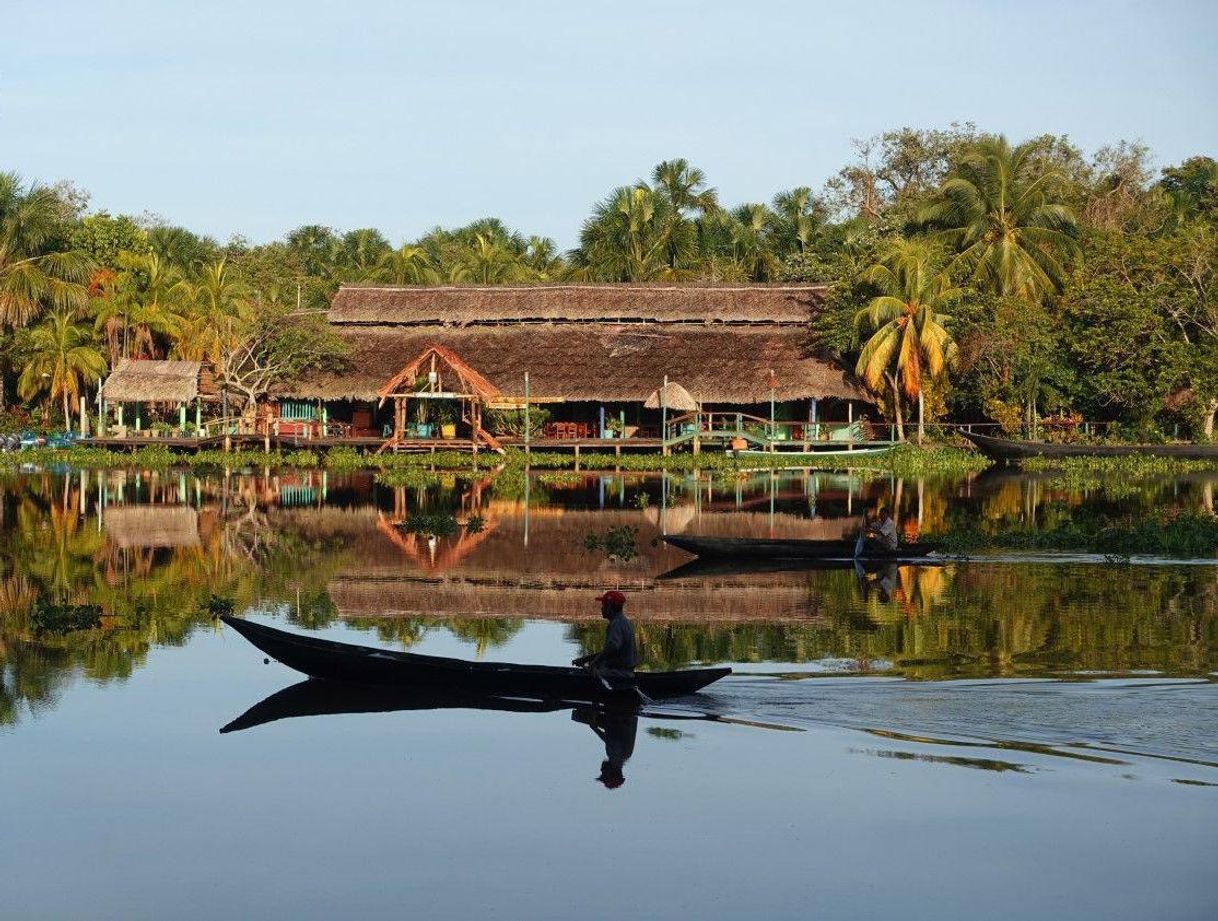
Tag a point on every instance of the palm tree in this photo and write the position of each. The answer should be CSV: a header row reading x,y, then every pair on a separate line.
x,y
487,262
60,356
147,300
684,189
1004,221
752,241
34,272
630,237
909,342
406,265
798,219
204,327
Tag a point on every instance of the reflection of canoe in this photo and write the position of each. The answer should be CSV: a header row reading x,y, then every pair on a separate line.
x,y
329,698
336,661
718,567
749,548
1009,449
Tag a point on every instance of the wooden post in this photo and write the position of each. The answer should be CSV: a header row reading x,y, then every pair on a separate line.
x,y
84,419
182,417
664,418
849,420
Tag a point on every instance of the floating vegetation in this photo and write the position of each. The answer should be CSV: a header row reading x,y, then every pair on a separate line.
x,y
1115,477
411,477
48,617
619,543
1172,533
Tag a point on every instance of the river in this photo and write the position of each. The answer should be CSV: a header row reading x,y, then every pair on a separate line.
x,y
1010,735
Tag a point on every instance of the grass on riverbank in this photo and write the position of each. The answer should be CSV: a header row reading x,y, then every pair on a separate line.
x,y
905,460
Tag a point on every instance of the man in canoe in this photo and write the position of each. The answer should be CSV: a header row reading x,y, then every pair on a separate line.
x,y
879,536
618,657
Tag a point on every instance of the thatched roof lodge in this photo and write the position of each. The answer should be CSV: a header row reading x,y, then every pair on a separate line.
x,y
725,344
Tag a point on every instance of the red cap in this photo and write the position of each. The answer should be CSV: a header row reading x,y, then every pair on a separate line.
x,y
613,596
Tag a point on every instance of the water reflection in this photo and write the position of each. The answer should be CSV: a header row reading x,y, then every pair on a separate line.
x,y
150,548
615,725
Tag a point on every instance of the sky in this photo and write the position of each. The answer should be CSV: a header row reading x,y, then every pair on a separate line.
x,y
253,118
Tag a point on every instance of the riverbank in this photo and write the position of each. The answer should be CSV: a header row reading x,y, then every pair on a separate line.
x,y
904,460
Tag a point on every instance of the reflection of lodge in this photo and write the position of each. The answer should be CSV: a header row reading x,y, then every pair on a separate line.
x,y
537,565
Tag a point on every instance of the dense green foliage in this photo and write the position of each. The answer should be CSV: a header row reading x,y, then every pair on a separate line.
x,y
1079,287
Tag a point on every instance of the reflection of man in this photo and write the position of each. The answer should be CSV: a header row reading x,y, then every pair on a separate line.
x,y
618,657
616,727
882,580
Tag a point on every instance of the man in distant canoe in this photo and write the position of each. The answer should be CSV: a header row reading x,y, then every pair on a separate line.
x,y
618,657
879,536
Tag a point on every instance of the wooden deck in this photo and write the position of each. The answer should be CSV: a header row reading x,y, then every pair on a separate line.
x,y
575,446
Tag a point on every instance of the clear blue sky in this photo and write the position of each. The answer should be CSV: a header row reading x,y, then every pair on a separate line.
x,y
255,117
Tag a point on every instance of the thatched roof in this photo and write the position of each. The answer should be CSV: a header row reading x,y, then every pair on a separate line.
x,y
470,380
672,396
598,362
654,303
150,381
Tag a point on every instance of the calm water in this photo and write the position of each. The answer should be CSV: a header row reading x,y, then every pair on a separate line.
x,y
1013,736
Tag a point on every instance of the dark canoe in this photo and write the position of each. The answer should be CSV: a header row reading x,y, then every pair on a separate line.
x,y
749,548
1008,449
336,661
711,567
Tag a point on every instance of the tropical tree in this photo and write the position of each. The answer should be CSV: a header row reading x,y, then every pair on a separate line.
x,y
407,265
684,189
36,271
487,261
909,342
631,237
205,325
61,356
143,308
798,219
753,242
1000,213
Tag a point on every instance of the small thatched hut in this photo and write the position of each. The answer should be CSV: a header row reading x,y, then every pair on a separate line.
x,y
155,387
592,352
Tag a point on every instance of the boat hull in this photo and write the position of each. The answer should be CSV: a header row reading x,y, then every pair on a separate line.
x,y
747,548
334,661
1012,450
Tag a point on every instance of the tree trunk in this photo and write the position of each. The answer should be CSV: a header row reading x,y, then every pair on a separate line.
x,y
67,414
1207,426
896,409
921,416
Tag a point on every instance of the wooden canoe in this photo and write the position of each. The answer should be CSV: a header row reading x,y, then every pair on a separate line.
x,y
334,661
749,548
1012,450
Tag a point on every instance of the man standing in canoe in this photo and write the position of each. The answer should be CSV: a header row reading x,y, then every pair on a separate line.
x,y
879,536
618,657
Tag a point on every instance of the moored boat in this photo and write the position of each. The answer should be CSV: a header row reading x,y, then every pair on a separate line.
x,y
751,548
335,661
1012,450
